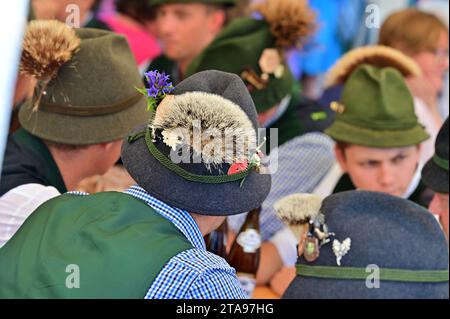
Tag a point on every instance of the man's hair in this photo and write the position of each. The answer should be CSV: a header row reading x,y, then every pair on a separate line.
x,y
412,31
96,6
213,7
342,146
139,10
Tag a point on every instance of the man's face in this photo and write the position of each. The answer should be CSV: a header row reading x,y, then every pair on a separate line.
x,y
434,64
186,29
56,9
380,170
439,206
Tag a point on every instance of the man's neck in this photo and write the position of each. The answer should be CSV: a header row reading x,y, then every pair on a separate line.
x,y
72,168
183,66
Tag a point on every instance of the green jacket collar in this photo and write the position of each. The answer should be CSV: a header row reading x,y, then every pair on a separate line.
x,y
38,147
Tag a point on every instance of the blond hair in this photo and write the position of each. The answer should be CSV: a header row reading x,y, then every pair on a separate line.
x,y
412,31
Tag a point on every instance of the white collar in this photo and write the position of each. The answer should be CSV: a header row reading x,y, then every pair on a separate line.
x,y
414,182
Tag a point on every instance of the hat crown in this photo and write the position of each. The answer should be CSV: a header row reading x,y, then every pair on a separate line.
x,y
386,233
384,230
377,98
102,72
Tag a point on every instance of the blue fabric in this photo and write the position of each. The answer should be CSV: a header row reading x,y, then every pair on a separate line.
x,y
192,274
302,163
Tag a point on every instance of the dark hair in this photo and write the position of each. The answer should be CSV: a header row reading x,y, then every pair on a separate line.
x,y
412,30
139,10
65,147
96,6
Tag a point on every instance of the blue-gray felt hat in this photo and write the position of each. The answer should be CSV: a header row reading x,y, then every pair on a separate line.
x,y
222,172
362,244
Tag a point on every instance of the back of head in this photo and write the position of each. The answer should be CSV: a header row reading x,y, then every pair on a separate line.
x,y
412,31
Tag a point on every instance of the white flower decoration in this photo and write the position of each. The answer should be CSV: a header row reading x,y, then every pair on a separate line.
x,y
341,249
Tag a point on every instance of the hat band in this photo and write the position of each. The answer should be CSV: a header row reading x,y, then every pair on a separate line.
x,y
442,163
402,275
91,110
166,162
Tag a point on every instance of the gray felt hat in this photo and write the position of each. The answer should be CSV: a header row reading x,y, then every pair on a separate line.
x,y
216,100
435,172
375,232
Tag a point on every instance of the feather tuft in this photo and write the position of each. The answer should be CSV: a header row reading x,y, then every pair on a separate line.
x,y
378,55
298,208
48,44
212,126
291,21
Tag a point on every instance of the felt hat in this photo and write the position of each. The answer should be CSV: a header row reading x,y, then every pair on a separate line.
x,y
362,244
376,109
254,49
86,79
209,179
435,171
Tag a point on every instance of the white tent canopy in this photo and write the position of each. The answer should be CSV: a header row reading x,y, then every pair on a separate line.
x,y
13,16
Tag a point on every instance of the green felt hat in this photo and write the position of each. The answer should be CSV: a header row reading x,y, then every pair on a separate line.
x,y
253,49
224,2
376,110
86,85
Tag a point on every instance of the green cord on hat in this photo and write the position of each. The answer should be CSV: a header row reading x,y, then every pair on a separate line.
x,y
352,273
439,161
165,161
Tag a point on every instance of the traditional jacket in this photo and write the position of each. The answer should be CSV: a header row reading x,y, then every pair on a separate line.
x,y
28,160
105,245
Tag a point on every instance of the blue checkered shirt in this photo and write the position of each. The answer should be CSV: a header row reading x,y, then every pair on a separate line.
x,y
194,273
302,163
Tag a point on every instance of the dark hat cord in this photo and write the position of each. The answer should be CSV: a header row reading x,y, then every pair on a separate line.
x,y
183,173
442,163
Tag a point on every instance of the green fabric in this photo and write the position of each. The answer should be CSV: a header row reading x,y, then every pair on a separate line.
x,y
352,273
38,147
119,243
441,162
226,2
166,162
239,46
101,75
421,195
378,111
97,24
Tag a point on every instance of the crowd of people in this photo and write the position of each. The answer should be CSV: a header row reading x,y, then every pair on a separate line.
x,y
203,110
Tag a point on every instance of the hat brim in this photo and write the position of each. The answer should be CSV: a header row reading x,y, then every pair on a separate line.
x,y
435,177
82,130
205,199
349,133
307,288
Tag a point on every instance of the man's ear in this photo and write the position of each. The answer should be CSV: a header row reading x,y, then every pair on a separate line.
x,y
104,147
217,20
340,157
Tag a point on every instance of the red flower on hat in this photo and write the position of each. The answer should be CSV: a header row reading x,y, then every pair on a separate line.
x,y
238,167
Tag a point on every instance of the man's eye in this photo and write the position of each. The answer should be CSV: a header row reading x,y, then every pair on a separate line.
x,y
398,159
181,15
369,164
160,13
